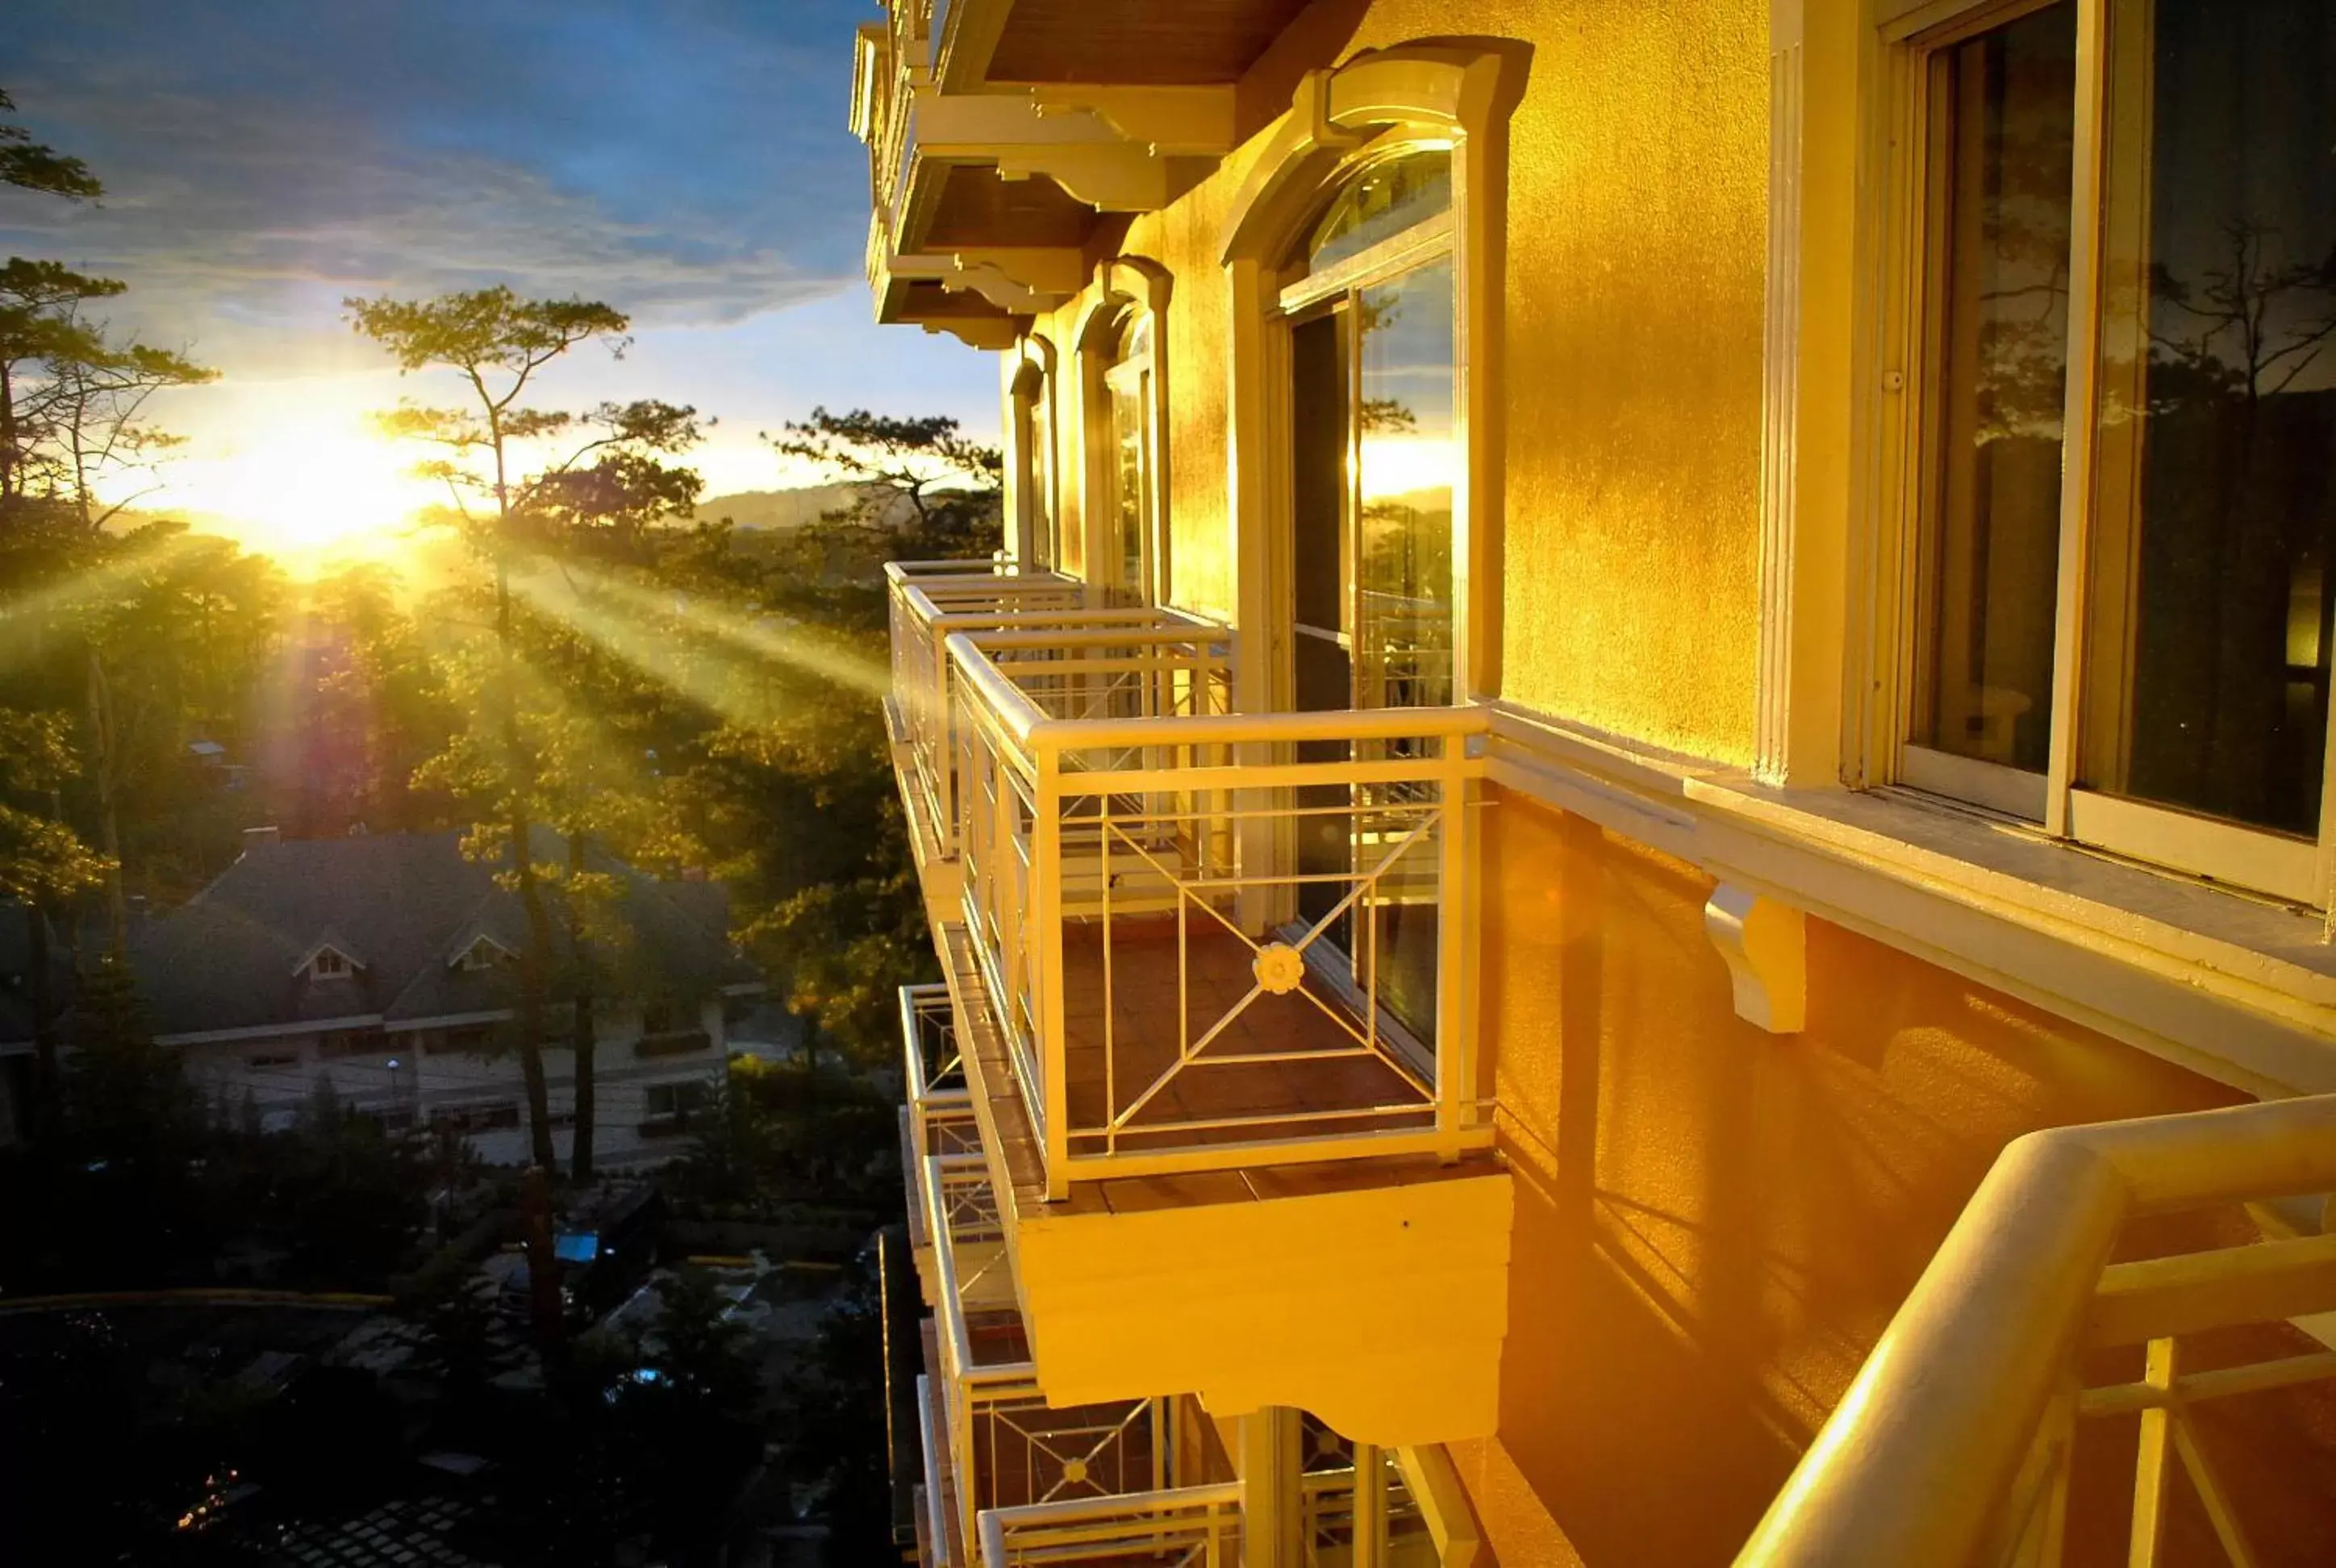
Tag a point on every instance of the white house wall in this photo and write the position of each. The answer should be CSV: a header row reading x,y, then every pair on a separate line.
x,y
432,1084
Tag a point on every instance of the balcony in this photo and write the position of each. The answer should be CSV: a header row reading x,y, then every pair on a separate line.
x,y
1021,1479
984,194
937,1118
1214,986
994,1439
930,602
1214,940
1984,1426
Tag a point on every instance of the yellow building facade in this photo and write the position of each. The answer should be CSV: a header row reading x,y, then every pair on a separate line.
x,y
1633,850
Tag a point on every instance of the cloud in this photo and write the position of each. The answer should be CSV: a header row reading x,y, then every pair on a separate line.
x,y
262,160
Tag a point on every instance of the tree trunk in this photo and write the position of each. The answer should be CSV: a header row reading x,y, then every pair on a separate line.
x,y
580,961
7,433
546,1308
534,961
44,1018
531,994
109,820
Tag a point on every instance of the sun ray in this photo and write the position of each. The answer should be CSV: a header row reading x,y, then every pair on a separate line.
x,y
647,647
22,616
763,637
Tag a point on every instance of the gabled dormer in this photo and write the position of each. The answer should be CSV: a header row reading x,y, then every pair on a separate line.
x,y
329,959
480,952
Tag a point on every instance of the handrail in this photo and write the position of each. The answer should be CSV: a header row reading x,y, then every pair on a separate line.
x,y
1144,1515
957,1347
931,1107
1917,1462
1022,720
937,1510
971,565
1078,834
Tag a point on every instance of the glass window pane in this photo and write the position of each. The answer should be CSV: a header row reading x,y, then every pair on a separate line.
x,y
1407,469
2002,118
1041,481
1406,465
1380,202
1127,447
2215,491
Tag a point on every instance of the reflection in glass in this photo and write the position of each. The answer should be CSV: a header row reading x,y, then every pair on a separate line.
x,y
1127,449
1406,466
2002,107
1405,469
1382,201
1127,398
2216,488
1041,481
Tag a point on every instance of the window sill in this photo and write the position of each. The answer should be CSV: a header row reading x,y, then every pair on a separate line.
x,y
2234,987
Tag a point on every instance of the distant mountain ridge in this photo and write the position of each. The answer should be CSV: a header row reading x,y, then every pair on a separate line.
x,y
779,509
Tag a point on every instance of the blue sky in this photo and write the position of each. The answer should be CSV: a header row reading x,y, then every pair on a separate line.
x,y
686,161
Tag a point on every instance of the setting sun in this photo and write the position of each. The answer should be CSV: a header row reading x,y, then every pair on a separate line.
x,y
315,483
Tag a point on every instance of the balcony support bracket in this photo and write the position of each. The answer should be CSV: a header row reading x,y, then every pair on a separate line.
x,y
1765,944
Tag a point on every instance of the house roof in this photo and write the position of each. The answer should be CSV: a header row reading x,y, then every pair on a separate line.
x,y
406,906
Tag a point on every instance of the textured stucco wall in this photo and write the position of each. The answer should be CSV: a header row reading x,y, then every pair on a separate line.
x,y
1637,226
1631,395
1715,1224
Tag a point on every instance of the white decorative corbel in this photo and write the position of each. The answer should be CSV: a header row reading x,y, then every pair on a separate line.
x,y
1765,946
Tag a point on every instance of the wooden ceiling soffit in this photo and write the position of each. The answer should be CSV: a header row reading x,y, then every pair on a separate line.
x,y
1165,41
1019,281
1081,140
984,332
1174,122
910,300
970,31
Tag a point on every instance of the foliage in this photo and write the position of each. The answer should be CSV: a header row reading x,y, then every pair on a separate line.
x,y
699,1354
607,477
835,1413
925,460
459,1349
72,398
30,165
43,860
783,1132
926,491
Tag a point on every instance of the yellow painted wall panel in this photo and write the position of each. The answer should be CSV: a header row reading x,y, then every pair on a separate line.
x,y
1380,1308
1637,236
1715,1224
1632,400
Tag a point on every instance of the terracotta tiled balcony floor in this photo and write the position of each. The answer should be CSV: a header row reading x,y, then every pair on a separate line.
x,y
1151,1018
1012,1142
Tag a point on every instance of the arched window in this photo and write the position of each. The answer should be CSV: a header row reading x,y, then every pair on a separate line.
x,y
1367,293
1122,431
1129,460
1037,508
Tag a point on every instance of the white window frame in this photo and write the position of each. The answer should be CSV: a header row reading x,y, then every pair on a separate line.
x,y
1880,686
1136,376
1038,544
1432,239
1127,290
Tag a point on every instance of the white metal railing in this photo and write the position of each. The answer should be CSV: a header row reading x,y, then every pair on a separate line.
x,y
1371,1498
940,1500
1188,1527
941,1105
1010,1447
1214,939
1954,1446
929,601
